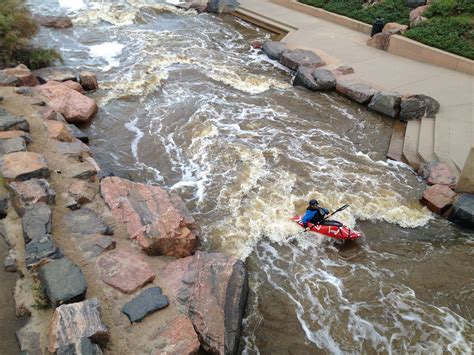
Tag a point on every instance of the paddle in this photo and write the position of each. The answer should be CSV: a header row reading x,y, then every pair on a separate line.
x,y
329,215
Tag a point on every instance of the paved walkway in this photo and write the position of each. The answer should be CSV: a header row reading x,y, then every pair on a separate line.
x,y
449,137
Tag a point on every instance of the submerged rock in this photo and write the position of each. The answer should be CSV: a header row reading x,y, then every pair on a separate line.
x,y
147,302
124,271
63,281
73,322
213,287
158,221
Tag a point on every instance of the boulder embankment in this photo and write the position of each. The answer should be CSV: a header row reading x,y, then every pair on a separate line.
x,y
107,264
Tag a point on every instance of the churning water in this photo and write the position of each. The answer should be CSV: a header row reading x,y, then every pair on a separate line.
x,y
186,104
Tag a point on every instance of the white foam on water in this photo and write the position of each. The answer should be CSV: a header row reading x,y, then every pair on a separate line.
x,y
109,51
72,4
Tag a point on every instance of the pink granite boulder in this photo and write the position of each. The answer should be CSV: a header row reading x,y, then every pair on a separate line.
x,y
437,173
59,131
438,198
416,15
75,107
54,21
74,85
124,271
157,220
18,76
22,166
213,287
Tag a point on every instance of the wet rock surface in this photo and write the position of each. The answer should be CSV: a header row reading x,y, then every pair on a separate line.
x,y
147,302
463,211
356,91
305,78
418,106
274,49
72,322
79,134
296,58
158,221
387,103
214,290
54,21
63,281
124,271
88,81
438,198
437,173
22,166
324,79
30,192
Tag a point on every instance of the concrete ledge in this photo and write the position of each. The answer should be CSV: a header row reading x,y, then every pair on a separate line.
x,y
326,15
279,29
399,45
408,48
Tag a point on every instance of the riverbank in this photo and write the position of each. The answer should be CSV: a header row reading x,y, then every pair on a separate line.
x,y
76,238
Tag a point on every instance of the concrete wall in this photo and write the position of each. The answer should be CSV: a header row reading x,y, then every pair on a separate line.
x,y
466,180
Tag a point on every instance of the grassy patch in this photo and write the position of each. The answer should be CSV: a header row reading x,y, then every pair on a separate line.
x,y
389,10
36,58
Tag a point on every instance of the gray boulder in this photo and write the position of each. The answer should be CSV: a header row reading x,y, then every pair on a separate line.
x,y
296,58
36,221
54,21
274,49
324,79
147,302
86,222
418,106
222,6
463,211
305,78
63,281
12,123
356,91
40,249
12,145
83,347
79,134
387,103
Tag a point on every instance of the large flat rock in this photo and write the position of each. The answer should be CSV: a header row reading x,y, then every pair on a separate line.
x,y
63,281
274,49
213,288
387,103
12,123
22,166
463,213
18,76
124,271
85,222
296,58
40,249
36,222
158,221
354,90
438,198
147,302
72,322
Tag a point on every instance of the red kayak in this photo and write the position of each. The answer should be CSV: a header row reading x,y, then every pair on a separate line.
x,y
329,228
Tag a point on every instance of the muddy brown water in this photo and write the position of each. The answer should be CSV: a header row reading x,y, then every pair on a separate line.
x,y
186,104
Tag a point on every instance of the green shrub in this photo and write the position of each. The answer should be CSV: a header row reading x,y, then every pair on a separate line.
x,y
447,8
452,34
16,29
36,58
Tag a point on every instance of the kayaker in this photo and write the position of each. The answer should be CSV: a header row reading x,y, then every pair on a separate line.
x,y
314,213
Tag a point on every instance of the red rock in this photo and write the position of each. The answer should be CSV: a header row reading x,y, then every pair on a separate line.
x,y
59,131
88,81
354,90
124,271
30,192
75,107
22,166
343,70
158,221
71,322
438,198
437,173
177,337
214,291
73,85
18,76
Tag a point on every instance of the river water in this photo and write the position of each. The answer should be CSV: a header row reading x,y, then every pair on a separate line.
x,y
185,103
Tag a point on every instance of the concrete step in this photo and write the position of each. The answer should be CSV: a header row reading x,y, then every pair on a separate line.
x,y
442,142
410,146
279,28
395,150
426,139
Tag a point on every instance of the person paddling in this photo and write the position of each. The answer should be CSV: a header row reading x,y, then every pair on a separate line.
x,y
314,213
